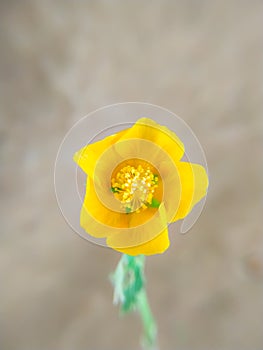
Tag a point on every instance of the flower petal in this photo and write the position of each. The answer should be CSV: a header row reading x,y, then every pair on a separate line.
x,y
156,246
95,218
147,129
87,156
193,184
122,230
143,228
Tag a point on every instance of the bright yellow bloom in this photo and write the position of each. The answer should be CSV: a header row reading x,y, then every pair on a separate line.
x,y
136,185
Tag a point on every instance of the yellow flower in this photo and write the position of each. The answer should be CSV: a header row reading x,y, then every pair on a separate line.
x,y
136,186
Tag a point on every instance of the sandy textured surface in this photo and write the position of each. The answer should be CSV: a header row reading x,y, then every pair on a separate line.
x,y
60,60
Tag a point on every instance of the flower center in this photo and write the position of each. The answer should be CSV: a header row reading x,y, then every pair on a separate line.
x,y
134,187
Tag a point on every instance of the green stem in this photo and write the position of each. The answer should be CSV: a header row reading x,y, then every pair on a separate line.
x,y
149,340
129,291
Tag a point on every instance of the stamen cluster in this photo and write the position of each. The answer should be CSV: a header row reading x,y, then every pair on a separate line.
x,y
134,187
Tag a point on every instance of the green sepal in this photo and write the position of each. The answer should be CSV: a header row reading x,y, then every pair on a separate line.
x,y
116,189
128,210
155,179
155,203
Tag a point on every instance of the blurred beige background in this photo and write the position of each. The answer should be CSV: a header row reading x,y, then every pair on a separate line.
x,y
60,60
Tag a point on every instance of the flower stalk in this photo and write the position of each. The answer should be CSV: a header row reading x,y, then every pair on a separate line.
x,y
129,291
